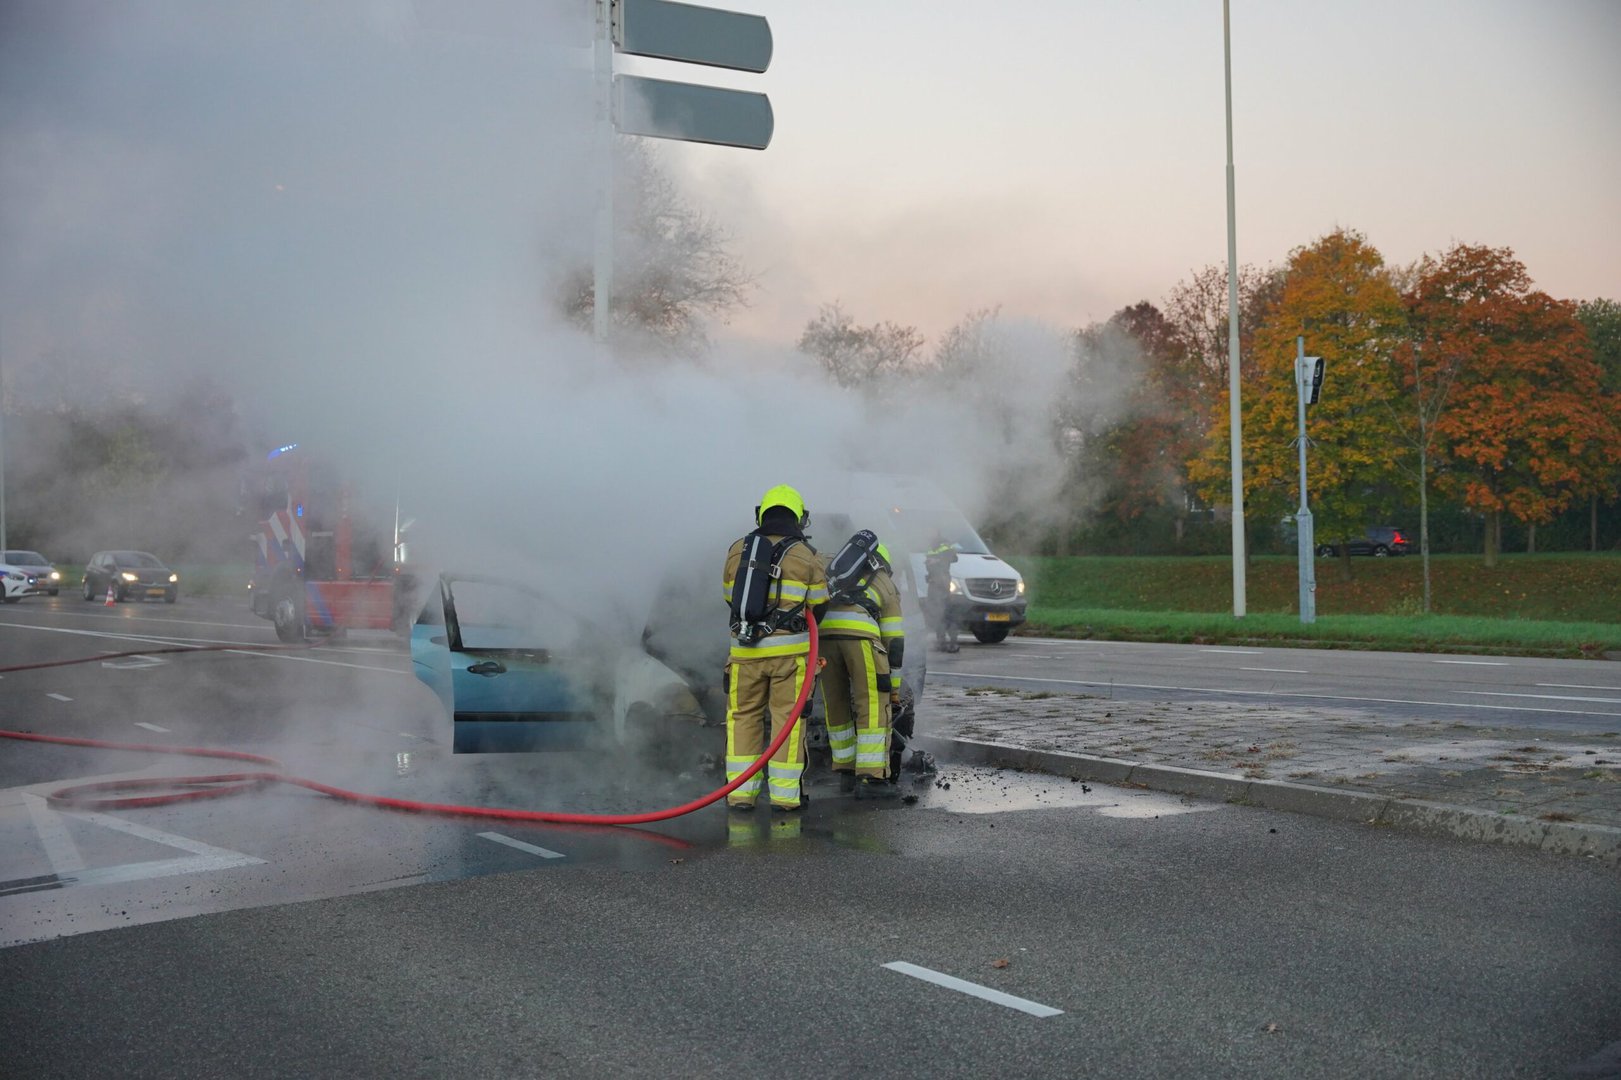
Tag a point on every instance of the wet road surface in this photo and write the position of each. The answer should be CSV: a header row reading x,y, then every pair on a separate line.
x,y
1029,925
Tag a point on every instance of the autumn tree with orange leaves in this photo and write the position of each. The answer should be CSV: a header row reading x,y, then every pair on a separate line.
x,y
1337,293
1525,430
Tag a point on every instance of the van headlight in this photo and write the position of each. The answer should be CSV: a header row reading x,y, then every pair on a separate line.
x,y
1021,586
954,587
56,575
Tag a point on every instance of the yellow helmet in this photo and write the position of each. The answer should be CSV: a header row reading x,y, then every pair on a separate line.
x,y
784,496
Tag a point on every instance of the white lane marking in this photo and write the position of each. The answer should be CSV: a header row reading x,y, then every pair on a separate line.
x,y
963,986
197,643
59,697
145,871
544,853
134,663
1235,652
1577,686
314,660
1476,663
1271,693
60,849
1543,697
196,847
1285,670
69,864
151,727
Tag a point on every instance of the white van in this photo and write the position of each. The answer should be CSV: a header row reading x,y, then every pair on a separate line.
x,y
913,516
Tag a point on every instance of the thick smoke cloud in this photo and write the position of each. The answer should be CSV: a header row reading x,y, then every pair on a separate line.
x,y
352,219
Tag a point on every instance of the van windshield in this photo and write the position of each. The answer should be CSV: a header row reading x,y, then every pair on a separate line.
x,y
921,530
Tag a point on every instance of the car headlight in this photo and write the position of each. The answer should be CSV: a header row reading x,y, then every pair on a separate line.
x,y
56,575
173,578
954,587
127,576
1021,586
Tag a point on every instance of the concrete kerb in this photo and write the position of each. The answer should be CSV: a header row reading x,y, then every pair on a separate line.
x,y
1435,819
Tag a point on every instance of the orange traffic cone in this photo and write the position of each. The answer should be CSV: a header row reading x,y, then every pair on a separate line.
x,y
112,597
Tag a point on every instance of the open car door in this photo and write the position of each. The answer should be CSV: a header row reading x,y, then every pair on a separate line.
x,y
509,665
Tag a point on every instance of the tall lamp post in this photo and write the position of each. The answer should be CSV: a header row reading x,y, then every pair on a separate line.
x,y
1235,424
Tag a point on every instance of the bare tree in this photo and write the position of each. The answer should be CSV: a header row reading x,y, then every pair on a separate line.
x,y
674,273
856,355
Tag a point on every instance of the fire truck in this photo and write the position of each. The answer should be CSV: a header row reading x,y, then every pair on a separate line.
x,y
315,571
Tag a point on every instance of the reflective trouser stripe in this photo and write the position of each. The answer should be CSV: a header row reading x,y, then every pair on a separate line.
x,y
760,689
857,713
841,743
872,749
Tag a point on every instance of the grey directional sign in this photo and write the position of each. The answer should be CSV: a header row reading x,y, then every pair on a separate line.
x,y
705,114
694,35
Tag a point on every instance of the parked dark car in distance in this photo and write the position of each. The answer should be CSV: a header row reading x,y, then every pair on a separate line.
x,y
1380,541
42,576
131,575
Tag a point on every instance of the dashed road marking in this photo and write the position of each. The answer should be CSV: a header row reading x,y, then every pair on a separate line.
x,y
963,986
1235,652
59,697
1475,663
151,727
1543,697
1577,686
1285,670
544,853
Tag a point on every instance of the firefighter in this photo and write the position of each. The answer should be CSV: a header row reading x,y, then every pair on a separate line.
x,y
770,648
937,580
863,643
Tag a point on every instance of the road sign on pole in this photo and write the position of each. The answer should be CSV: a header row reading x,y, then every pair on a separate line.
x,y
693,35
1308,380
704,114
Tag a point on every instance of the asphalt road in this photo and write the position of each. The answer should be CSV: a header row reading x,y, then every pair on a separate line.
x,y
1142,935
1567,695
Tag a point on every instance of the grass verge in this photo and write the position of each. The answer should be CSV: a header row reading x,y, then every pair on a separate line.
x,y
1414,633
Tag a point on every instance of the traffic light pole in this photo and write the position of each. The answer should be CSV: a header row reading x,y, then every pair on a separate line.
x,y
1303,524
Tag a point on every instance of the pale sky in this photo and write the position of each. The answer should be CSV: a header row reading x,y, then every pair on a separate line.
x,y
357,185
1065,158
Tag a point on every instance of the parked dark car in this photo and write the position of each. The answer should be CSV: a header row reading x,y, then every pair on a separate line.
x,y
42,576
131,575
1380,541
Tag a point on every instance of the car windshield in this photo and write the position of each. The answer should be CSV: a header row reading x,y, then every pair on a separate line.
x,y
138,559
26,558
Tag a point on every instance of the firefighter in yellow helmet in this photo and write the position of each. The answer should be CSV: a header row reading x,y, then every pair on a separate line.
x,y
772,577
863,642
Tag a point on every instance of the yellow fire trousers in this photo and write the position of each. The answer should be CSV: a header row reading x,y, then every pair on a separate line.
x,y
758,691
855,692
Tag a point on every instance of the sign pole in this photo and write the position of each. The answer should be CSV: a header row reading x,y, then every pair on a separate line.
x,y
1234,410
1303,523
602,263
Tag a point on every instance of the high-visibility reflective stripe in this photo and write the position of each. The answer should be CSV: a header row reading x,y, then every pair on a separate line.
x,y
841,743
775,645
872,758
844,619
892,627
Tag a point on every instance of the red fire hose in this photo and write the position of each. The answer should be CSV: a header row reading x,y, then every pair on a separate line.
x,y
208,787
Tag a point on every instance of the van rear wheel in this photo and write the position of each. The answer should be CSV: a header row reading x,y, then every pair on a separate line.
x,y
990,635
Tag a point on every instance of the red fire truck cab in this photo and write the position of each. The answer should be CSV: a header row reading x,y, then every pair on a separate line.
x,y
313,571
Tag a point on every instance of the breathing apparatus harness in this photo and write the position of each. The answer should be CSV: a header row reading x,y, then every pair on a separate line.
x,y
754,614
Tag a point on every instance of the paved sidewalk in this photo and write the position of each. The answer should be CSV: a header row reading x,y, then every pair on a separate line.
x,y
1555,791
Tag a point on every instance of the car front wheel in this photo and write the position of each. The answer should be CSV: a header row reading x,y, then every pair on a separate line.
x,y
1325,551
89,593
1381,552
